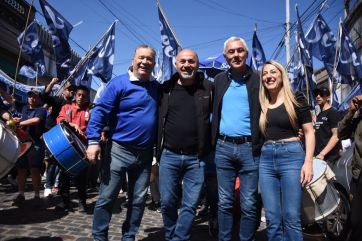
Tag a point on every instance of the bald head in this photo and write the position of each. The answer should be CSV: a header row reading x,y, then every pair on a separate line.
x,y
187,64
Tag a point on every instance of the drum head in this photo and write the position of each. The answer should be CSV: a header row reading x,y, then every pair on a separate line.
x,y
24,148
74,139
319,168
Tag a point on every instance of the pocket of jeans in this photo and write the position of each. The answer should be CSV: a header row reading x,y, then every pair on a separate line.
x,y
219,143
294,147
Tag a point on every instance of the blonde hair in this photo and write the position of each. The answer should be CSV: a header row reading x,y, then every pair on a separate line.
x,y
289,100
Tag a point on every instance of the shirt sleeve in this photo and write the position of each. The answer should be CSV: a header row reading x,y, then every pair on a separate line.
x,y
101,112
303,109
62,114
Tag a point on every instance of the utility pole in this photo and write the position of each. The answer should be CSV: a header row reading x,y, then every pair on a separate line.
x,y
287,29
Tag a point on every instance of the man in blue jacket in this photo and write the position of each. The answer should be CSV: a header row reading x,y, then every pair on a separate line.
x,y
128,106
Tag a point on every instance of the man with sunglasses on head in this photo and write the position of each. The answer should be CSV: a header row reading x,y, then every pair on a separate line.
x,y
328,145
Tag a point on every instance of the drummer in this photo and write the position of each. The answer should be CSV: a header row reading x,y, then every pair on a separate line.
x,y
56,103
32,121
76,115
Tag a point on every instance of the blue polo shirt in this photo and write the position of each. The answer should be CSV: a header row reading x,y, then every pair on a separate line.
x,y
235,111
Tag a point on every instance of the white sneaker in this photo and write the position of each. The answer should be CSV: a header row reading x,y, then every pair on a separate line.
x,y
47,192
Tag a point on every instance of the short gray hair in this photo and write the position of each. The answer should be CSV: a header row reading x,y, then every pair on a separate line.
x,y
232,39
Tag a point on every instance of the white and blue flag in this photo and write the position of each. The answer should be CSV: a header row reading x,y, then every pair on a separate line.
x,y
170,47
31,45
322,44
257,55
306,80
348,62
99,63
60,29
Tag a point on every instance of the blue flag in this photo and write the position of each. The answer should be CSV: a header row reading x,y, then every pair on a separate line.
x,y
307,80
305,55
170,47
101,62
321,41
322,44
257,55
32,47
348,62
60,29
81,75
292,70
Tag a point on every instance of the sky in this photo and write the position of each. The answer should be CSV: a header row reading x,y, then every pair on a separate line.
x,y
202,25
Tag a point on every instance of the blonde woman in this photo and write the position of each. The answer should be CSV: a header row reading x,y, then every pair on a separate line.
x,y
285,167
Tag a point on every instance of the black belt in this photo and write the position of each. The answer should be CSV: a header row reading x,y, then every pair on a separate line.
x,y
235,140
183,151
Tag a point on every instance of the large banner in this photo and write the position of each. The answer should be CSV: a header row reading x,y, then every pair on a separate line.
x,y
21,88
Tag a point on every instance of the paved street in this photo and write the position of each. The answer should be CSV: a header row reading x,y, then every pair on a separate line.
x,y
45,224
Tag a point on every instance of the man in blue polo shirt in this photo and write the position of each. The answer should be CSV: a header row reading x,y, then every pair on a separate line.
x,y
128,106
237,140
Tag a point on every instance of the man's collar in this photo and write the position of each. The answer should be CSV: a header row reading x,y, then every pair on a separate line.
x,y
244,76
132,77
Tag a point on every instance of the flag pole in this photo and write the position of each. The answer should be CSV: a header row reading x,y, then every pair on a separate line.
x,y
21,47
338,42
83,60
36,75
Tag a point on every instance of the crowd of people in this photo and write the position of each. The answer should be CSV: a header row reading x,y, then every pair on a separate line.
x,y
189,135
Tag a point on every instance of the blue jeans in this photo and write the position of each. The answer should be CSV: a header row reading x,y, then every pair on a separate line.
x,y
137,165
234,160
174,170
281,190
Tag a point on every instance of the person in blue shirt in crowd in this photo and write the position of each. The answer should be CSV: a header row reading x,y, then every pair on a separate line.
x,y
128,106
32,120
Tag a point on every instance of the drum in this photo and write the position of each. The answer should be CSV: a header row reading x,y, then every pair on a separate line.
x,y
9,149
25,141
66,148
320,197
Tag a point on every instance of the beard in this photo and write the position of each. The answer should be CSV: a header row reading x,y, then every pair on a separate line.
x,y
188,76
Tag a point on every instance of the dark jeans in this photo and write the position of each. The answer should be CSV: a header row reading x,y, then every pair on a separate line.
x,y
176,169
80,182
234,160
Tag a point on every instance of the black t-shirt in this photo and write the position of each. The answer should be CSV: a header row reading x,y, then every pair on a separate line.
x,y
326,120
278,125
56,102
180,125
